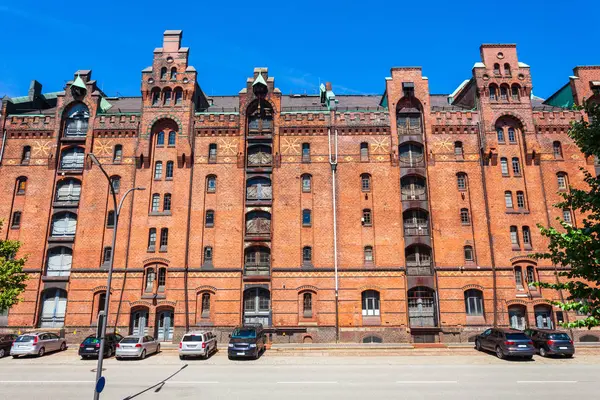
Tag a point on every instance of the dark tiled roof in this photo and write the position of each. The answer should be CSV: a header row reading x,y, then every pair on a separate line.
x,y
439,102
124,105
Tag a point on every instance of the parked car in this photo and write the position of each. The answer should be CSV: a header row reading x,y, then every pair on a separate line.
x,y
38,343
247,341
90,347
550,342
134,346
506,343
6,341
199,343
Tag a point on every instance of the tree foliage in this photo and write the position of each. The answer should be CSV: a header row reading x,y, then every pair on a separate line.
x,y
578,247
12,277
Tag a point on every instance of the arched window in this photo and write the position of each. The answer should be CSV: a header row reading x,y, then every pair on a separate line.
x,y
468,251
474,302
257,260
307,305
16,220
514,236
59,261
173,73
118,153
411,155
150,278
21,185
561,179
504,166
163,73
464,216
155,202
306,183
370,303
110,219
520,199
515,89
172,137
178,96
461,181
64,224
557,150
259,188
68,190
507,70
493,92
367,218
100,302
107,255
416,222
413,188
212,153
164,239
307,256
72,159
365,182
208,256
211,184
458,149
77,121
503,92
511,135
116,183
162,279
306,217
209,219
158,170
169,170
167,97
26,156
508,199
305,152
258,223
155,96
500,133
160,138
526,237
152,239
364,151
205,305
496,69
418,256
368,254
516,166
167,202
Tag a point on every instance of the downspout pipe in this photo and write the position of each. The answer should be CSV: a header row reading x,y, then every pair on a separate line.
x,y
333,153
3,145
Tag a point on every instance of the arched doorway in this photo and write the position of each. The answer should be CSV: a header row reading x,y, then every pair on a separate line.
x,y
164,325
54,308
257,306
421,307
517,316
543,316
138,324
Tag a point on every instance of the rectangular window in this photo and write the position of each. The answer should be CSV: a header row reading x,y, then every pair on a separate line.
x,y
364,151
169,171
366,218
16,220
155,202
567,216
307,305
518,277
306,183
562,181
514,236
210,219
158,170
306,218
162,278
164,239
526,237
305,152
508,199
107,255
504,166
167,202
516,166
520,200
205,305
307,255
511,135
212,153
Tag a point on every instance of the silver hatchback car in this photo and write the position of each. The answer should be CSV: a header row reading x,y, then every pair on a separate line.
x,y
134,346
199,343
38,343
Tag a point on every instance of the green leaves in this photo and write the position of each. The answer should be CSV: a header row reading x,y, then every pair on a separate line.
x,y
12,277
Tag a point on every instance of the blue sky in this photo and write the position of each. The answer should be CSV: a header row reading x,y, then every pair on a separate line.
x,y
353,44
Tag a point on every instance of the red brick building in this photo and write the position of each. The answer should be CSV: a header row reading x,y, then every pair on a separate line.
x,y
420,208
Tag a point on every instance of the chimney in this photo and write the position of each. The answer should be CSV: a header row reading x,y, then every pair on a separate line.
x,y
328,86
171,41
35,90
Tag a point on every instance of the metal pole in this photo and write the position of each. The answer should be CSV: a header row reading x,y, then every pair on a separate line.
x,y
333,161
117,210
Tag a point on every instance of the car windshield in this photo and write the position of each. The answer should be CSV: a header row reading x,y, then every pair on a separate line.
x,y
192,338
91,340
559,336
243,333
130,340
25,338
516,336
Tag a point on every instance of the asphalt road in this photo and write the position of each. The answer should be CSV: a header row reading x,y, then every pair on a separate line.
x,y
477,376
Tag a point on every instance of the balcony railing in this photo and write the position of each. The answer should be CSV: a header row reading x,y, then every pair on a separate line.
x,y
72,198
414,195
415,161
409,130
258,126
257,269
260,159
418,230
419,271
423,262
259,193
72,165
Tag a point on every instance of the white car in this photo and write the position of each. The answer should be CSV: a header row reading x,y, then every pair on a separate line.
x,y
137,347
199,343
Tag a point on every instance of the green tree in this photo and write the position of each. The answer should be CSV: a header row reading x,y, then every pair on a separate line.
x,y
12,277
578,248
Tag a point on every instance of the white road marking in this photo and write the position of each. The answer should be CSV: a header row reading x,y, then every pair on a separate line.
x,y
546,381
308,383
426,382
192,382
59,382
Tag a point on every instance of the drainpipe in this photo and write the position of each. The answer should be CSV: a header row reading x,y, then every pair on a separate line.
x,y
3,144
333,162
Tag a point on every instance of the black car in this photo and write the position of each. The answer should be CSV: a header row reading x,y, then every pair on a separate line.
x,y
505,343
247,341
550,342
90,347
6,341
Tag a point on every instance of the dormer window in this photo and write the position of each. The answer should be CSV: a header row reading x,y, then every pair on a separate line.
x,y
408,88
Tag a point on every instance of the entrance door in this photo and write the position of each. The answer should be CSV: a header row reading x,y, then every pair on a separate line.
x,y
257,306
164,326
421,307
54,307
139,322
543,318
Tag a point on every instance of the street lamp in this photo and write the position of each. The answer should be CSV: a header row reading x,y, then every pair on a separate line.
x,y
110,271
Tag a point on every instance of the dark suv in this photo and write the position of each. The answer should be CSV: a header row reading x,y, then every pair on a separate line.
x,y
246,341
506,343
90,347
549,342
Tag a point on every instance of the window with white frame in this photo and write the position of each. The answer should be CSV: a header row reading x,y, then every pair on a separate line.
x,y
370,303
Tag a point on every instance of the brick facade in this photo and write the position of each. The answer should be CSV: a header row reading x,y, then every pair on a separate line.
x,y
236,222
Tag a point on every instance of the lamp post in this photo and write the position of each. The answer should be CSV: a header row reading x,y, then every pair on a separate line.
x,y
117,211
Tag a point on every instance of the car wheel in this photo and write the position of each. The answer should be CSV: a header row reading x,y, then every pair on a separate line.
x,y
528,358
499,353
569,355
182,357
477,345
117,358
143,355
63,346
15,356
158,349
543,352
2,353
41,352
